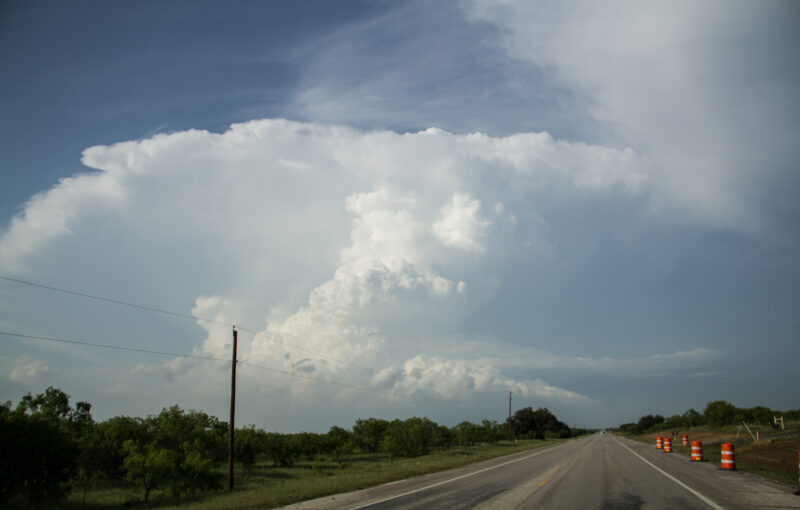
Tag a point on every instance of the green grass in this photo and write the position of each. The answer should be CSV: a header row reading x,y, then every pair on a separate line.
x,y
269,487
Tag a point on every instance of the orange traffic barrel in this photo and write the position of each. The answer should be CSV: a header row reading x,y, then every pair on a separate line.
x,y
667,444
659,442
697,451
728,457
685,440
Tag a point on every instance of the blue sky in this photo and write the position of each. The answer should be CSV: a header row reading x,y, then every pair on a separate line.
x,y
589,206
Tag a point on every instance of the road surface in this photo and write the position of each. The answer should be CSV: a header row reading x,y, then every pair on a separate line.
x,y
600,471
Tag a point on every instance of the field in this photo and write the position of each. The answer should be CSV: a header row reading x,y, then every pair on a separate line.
x,y
270,487
773,456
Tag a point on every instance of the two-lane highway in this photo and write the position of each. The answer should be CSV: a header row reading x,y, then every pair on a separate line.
x,y
598,471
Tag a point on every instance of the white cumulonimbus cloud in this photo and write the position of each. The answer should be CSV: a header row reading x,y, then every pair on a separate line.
x,y
359,253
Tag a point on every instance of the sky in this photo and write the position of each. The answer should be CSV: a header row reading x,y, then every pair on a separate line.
x,y
406,208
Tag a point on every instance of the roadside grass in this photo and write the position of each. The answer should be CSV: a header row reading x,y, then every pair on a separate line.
x,y
774,456
270,487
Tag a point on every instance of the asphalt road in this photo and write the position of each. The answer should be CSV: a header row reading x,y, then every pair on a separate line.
x,y
599,471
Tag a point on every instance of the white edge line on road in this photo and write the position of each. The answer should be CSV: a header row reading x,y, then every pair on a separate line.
x,y
705,499
456,478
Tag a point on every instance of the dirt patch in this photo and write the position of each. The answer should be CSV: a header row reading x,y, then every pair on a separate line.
x,y
781,455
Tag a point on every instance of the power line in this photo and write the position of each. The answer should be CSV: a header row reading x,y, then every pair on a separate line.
x,y
190,317
115,347
183,316
115,301
211,358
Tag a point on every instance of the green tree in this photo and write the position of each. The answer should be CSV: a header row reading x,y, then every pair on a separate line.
x,y
762,414
443,437
368,434
719,413
410,438
467,433
196,470
309,444
649,421
492,431
38,457
173,428
692,418
535,424
674,422
53,404
110,435
394,439
191,441
339,443
551,425
281,449
525,425
792,414
189,434
630,428
40,440
246,448
150,466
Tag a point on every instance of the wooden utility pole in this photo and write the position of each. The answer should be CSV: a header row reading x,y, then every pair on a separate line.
x,y
510,431
231,426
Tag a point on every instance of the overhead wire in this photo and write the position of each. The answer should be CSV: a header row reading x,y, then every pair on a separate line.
x,y
211,358
203,319
116,301
115,347
186,316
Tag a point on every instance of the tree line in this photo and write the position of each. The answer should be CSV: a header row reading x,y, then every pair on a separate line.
x,y
717,414
50,448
